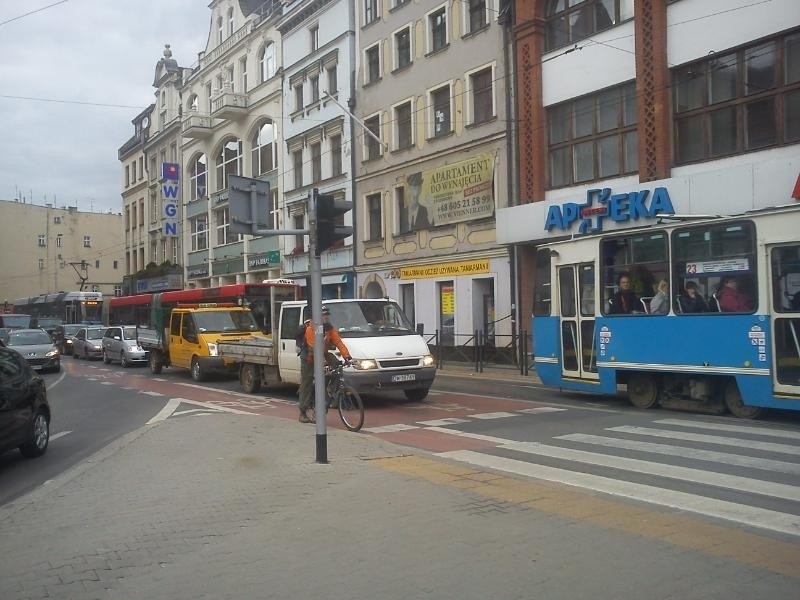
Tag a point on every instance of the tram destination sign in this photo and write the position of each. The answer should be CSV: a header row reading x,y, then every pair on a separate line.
x,y
601,204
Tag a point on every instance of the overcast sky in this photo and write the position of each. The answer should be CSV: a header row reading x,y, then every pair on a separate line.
x,y
88,51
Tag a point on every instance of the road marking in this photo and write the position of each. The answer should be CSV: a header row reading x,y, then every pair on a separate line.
x,y
542,409
474,436
440,422
60,434
708,439
494,415
106,383
720,509
390,428
154,394
57,381
763,464
752,430
634,465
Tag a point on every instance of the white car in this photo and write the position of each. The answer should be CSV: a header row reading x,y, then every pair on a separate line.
x,y
119,343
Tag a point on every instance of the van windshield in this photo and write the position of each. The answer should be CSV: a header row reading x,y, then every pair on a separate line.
x,y
368,318
225,321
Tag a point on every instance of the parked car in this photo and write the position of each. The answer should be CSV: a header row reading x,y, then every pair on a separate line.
x,y
49,324
24,411
63,336
88,342
4,331
119,343
36,348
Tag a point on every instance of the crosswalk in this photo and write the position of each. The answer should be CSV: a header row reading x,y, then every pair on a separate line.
x,y
747,474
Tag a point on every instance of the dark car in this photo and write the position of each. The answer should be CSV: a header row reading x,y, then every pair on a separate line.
x,y
63,336
36,348
24,410
49,324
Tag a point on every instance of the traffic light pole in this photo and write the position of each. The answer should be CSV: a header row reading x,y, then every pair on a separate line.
x,y
315,274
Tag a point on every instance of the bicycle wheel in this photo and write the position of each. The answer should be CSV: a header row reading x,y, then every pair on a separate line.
x,y
351,408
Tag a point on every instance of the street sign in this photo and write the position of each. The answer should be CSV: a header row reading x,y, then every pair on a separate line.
x,y
248,203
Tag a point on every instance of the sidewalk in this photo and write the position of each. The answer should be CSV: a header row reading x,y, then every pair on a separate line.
x,y
491,371
230,506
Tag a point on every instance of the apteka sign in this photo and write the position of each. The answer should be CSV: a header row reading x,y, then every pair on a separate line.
x,y
602,204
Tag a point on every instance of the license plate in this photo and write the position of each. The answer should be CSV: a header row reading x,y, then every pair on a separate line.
x,y
406,377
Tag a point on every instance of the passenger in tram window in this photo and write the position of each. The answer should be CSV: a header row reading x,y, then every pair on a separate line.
x,y
625,301
693,301
659,305
730,298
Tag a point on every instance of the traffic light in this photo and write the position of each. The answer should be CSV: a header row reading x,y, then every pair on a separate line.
x,y
328,210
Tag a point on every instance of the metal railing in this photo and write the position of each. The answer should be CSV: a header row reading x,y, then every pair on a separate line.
x,y
481,349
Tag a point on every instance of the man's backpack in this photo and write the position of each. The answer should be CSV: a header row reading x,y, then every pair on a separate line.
x,y
300,338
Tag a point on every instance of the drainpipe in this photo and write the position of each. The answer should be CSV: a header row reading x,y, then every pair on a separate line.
x,y
351,103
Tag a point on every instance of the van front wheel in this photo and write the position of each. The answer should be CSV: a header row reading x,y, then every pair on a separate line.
x,y
198,374
417,394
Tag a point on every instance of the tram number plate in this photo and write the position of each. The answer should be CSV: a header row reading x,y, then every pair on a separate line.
x,y
406,377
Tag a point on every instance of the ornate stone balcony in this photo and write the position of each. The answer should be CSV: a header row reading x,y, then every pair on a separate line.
x,y
229,106
197,126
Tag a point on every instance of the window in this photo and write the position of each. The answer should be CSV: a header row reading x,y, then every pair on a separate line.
x,y
373,62
297,164
300,239
336,155
197,178
298,97
437,30
402,48
230,79
154,207
314,36
87,241
141,213
127,218
220,30
116,264
141,167
59,240
568,21
231,22
593,137
57,220
332,84
243,71
316,162
133,211
117,290
370,11
374,231
403,126
477,14
481,85
403,210
229,162
440,105
127,175
632,264
372,147
264,149
738,102
224,235
96,264
274,210
266,62
199,229
41,264
209,99
133,171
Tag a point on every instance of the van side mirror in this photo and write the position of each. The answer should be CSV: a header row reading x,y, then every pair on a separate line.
x,y
421,328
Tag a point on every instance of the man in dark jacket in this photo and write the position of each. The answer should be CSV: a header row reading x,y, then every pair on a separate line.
x,y
625,301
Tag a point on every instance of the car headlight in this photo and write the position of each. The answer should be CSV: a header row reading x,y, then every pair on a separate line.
x,y
52,352
427,361
69,342
365,364
212,349
96,347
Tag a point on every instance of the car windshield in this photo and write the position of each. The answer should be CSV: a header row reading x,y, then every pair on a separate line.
x,y
71,329
95,334
28,338
369,318
129,333
225,321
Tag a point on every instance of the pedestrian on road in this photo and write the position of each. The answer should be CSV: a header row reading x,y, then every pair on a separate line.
x,y
331,339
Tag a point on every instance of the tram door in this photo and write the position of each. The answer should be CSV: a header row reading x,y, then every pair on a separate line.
x,y
576,307
785,317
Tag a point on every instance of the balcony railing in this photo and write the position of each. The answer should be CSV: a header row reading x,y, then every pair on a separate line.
x,y
229,105
197,126
226,45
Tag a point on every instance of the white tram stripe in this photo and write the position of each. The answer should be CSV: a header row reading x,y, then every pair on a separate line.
x,y
763,464
708,439
732,482
721,509
754,430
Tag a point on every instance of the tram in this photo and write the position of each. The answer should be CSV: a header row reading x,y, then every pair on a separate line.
x,y
703,352
65,307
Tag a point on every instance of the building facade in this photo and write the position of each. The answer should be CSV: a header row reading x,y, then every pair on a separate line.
x,y
51,249
696,102
432,164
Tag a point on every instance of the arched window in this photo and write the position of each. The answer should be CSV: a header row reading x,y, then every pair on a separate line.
x,y
192,103
220,30
197,182
229,162
264,149
569,21
230,22
266,62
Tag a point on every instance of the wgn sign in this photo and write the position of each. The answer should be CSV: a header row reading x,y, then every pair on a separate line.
x,y
170,194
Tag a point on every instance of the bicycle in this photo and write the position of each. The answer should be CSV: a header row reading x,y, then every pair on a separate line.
x,y
344,398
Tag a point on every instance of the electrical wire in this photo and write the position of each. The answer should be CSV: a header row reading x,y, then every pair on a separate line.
x,y
33,12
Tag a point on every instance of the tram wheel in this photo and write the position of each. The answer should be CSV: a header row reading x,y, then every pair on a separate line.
x,y
643,390
735,404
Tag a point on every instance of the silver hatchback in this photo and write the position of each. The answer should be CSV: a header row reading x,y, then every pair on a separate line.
x,y
87,342
119,343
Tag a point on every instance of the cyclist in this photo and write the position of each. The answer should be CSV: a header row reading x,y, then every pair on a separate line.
x,y
331,339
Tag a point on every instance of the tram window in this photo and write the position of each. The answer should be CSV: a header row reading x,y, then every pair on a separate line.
x,y
541,291
641,256
709,256
786,278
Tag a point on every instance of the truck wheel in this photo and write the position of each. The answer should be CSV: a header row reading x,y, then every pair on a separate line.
x,y
250,378
417,394
198,374
735,404
155,363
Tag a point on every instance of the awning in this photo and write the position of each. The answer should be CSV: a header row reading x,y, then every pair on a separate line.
x,y
326,280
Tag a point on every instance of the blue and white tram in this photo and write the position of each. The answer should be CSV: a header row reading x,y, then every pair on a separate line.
x,y
70,307
744,356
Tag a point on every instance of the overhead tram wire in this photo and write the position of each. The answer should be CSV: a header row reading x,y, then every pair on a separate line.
x,y
33,12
